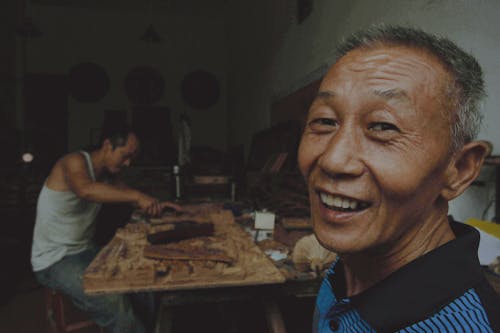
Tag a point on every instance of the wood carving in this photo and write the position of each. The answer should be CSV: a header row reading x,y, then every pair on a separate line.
x,y
130,263
162,252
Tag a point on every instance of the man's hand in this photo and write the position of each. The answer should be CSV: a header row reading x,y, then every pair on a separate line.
x,y
149,205
167,204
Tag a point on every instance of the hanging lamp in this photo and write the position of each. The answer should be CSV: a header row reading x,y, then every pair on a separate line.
x,y
151,35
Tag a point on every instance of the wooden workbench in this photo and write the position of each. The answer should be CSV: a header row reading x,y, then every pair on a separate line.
x,y
121,267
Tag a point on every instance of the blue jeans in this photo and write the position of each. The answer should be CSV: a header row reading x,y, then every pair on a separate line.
x,y
115,312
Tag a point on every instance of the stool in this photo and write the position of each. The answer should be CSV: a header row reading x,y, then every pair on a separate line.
x,y
56,306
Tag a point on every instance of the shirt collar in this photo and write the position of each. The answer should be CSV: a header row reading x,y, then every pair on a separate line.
x,y
420,288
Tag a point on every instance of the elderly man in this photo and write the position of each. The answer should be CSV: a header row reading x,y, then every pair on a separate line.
x,y
65,222
387,144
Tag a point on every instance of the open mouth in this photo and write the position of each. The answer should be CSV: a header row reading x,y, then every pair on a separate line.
x,y
342,204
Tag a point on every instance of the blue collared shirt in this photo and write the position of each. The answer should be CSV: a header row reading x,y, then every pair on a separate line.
x,y
443,291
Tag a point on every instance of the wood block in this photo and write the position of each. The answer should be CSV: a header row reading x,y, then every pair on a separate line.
x,y
180,231
296,223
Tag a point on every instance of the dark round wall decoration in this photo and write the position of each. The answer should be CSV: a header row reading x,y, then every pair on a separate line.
x,y
88,82
200,89
144,85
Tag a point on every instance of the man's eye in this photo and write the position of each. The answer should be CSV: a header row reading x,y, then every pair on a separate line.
x,y
323,122
383,127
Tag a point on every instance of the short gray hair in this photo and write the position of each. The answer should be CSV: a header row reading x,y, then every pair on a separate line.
x,y
467,87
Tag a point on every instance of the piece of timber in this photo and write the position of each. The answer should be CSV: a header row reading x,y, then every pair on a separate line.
x,y
180,231
292,223
162,252
176,218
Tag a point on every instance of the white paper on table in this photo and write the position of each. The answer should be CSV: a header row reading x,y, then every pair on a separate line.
x,y
264,220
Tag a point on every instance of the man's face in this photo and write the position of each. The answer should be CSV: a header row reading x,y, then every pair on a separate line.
x,y
375,149
122,156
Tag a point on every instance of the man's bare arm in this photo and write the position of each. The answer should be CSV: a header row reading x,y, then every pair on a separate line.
x,y
78,180
165,204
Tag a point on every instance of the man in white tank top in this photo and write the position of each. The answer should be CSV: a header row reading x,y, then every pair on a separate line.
x,y
63,236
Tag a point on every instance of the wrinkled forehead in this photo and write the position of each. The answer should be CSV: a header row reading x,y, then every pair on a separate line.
x,y
388,64
403,71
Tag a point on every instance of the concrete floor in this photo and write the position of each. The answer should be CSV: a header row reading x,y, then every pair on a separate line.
x,y
23,313
24,310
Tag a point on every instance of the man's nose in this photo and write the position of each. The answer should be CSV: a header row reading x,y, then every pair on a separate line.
x,y
342,154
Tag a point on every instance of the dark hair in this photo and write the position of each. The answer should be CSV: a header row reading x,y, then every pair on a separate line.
x,y
467,87
116,132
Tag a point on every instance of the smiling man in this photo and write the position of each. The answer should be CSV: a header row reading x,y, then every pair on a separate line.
x,y
388,142
65,222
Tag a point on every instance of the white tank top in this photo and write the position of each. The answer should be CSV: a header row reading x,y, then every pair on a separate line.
x,y
64,224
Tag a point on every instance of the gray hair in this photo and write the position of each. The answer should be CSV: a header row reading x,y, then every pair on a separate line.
x,y
467,88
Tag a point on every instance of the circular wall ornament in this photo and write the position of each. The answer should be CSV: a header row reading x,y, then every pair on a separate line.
x,y
88,82
200,89
144,85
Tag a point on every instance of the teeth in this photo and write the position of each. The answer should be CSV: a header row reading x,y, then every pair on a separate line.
x,y
353,204
326,200
340,202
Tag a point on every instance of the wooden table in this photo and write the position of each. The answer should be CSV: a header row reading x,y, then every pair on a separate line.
x,y
120,267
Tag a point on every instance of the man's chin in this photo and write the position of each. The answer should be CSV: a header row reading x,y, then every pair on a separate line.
x,y
339,243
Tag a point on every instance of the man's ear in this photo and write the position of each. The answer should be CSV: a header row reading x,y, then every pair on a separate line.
x,y
464,167
107,145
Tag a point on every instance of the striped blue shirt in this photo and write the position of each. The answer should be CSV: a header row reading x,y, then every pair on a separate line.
x,y
443,291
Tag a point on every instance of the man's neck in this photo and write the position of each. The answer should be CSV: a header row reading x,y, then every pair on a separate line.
x,y
363,270
97,157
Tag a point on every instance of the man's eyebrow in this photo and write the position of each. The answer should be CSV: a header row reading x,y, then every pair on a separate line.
x,y
387,94
392,94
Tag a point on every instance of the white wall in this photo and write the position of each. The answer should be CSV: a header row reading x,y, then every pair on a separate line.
x,y
111,38
474,25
